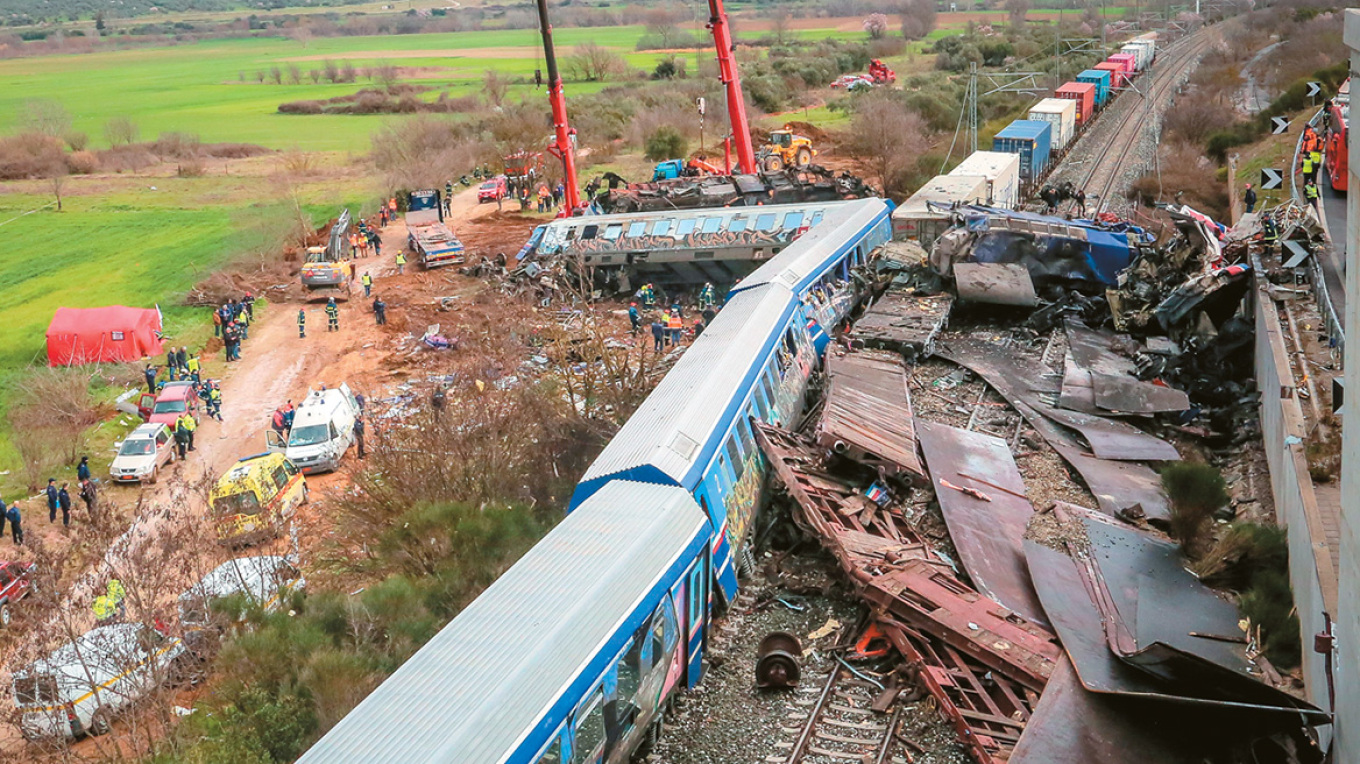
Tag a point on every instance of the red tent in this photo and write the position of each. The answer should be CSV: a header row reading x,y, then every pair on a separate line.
x,y
103,335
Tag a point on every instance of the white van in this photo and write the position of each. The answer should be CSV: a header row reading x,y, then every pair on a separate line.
x,y
323,430
79,687
266,581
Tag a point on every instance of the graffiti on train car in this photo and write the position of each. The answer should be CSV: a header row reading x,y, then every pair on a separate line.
x,y
695,240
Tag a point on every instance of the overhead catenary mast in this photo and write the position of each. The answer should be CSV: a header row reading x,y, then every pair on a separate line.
x,y
731,78
563,141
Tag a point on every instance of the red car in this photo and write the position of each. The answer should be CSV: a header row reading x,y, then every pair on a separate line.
x,y
16,581
493,189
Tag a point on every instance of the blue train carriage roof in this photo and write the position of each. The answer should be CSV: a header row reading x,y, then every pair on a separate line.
x,y
804,261
675,432
498,680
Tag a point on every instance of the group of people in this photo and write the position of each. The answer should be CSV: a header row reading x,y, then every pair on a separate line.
x,y
668,326
179,365
1310,161
111,605
282,419
58,499
232,323
364,238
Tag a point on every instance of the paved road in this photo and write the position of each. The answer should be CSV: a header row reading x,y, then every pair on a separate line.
x,y
1334,258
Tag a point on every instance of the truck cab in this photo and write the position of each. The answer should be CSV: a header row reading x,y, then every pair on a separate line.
x,y
427,235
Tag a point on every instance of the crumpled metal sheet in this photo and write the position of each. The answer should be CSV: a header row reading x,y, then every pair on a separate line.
x,y
1083,600
867,412
988,534
1114,382
995,284
906,323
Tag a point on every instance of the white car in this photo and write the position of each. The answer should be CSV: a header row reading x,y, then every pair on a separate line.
x,y
142,454
78,688
323,430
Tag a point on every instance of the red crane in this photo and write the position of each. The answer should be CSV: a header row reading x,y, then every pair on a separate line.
x,y
562,142
727,72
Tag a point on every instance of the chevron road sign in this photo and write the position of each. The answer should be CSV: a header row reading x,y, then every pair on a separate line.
x,y
1281,124
1271,179
1314,88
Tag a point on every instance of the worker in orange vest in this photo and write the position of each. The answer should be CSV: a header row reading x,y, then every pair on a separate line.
x,y
676,325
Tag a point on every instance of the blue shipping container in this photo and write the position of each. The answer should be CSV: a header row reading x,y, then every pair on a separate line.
x,y
1101,79
1029,138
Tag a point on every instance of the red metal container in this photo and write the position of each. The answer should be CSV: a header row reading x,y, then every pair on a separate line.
x,y
1084,93
1128,60
1117,74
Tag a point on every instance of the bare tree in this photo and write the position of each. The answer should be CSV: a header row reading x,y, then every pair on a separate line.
x,y
294,74
1016,11
121,131
779,25
663,23
918,18
494,87
595,63
384,75
889,137
45,117
302,34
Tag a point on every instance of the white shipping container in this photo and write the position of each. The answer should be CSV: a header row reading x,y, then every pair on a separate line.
x,y
1061,113
925,215
1150,44
1002,171
1139,53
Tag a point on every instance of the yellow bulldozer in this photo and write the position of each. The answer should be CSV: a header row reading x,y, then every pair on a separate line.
x,y
784,149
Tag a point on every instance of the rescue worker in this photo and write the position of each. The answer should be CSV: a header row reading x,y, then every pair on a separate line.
x,y
215,400
83,469
181,439
1311,193
88,495
104,609
677,327
1249,199
648,296
249,302
698,327
186,421
401,262
676,309
332,315
707,295
193,367
367,281
376,241
64,501
634,318
379,311
16,527
658,335
150,374
243,325
359,435
1309,169
1270,233
217,323
182,359
51,492
276,421
115,592
302,323
392,208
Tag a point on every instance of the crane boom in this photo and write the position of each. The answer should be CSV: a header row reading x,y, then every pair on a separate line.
x,y
731,78
562,142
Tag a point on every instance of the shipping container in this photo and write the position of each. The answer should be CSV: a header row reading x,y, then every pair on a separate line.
x,y
1140,53
1002,171
1062,114
1084,93
1129,62
925,215
1031,140
1150,42
1117,74
1101,79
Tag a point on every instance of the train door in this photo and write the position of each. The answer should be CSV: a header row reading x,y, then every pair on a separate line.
x,y
588,734
697,612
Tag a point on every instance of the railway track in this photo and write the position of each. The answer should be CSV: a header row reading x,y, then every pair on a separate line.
x,y
1107,165
834,723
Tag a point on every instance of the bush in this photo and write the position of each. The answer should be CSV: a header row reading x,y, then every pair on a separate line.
x,y
82,162
77,140
665,143
918,18
1196,491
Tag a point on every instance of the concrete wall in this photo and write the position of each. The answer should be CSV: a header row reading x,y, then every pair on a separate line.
x,y
1348,617
1283,430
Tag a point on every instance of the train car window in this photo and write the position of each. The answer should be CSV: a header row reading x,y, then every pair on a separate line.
x,y
658,637
734,457
631,668
661,228
685,227
696,597
671,626
613,231
762,405
748,443
571,234
737,225
790,342
816,218
711,225
792,221
589,232
589,741
765,222
638,228
553,755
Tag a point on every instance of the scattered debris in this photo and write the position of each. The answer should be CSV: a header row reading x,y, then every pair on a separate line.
x,y
867,412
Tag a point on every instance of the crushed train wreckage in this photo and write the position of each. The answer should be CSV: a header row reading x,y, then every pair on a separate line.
x,y
1054,633
813,183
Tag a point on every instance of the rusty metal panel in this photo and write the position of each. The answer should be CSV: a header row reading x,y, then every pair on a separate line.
x,y
1114,381
988,532
995,283
1073,726
903,322
930,599
867,412
1077,393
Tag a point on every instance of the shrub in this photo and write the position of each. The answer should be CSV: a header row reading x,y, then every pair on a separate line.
x,y
77,140
918,18
82,162
665,143
1196,491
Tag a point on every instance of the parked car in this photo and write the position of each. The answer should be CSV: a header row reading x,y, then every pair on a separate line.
x,y
142,454
323,430
256,497
173,400
493,189
16,582
78,688
267,581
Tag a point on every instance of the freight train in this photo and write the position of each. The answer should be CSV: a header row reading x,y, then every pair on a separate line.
x,y
574,653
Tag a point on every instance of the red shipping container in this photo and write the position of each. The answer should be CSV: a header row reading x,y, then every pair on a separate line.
x,y
1129,61
1084,93
1117,73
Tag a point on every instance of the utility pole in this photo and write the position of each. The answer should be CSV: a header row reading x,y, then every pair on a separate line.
x,y
972,98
